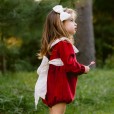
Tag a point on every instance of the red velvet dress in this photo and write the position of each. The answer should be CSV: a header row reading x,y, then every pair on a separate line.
x,y
62,80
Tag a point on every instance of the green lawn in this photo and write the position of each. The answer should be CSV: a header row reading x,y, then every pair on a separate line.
x,y
94,95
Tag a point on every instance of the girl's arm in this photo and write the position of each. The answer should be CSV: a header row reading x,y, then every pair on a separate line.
x,y
68,57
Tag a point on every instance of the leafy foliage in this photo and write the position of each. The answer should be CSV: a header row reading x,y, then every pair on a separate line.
x,y
24,19
103,28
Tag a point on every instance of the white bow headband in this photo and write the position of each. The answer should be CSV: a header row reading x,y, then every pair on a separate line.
x,y
63,15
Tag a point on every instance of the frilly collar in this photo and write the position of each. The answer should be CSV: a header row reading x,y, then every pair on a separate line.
x,y
62,39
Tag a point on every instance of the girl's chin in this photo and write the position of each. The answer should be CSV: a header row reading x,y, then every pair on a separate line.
x,y
75,31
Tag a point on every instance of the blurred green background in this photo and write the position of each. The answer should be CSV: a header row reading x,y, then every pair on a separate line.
x,y
21,24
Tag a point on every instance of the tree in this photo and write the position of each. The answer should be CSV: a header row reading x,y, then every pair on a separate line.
x,y
8,19
85,37
14,18
104,31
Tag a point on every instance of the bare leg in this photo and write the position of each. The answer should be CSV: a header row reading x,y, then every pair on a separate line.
x,y
50,111
58,108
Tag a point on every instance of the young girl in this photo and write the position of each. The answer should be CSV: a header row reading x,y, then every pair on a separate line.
x,y
59,69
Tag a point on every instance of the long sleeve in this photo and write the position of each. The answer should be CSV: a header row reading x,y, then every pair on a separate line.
x,y
68,57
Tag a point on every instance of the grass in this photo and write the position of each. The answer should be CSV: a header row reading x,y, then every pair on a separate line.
x,y
94,94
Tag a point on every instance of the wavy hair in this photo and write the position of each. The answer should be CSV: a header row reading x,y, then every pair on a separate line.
x,y
53,29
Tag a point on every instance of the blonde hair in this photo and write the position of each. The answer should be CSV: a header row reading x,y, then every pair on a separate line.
x,y
53,29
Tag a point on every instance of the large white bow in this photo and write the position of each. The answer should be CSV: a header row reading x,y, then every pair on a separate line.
x,y
41,84
63,15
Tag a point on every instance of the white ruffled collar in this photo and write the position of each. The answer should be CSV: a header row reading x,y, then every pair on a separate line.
x,y
62,39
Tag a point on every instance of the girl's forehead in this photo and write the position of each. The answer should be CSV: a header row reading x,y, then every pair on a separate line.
x,y
73,16
72,12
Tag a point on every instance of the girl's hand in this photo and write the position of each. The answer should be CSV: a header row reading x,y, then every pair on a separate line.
x,y
87,69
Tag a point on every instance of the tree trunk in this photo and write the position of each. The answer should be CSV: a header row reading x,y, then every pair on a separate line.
x,y
2,57
84,35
